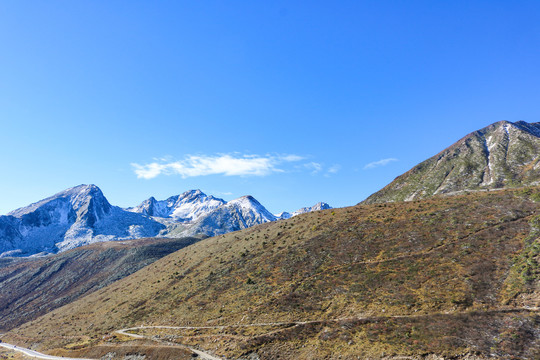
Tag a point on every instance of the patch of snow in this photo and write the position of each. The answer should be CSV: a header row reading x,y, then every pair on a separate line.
x,y
488,175
506,128
283,215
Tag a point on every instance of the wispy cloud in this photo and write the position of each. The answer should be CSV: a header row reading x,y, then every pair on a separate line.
x,y
334,169
314,167
223,164
382,162
291,158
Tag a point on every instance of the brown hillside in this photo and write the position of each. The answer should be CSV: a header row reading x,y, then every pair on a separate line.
x,y
31,287
455,276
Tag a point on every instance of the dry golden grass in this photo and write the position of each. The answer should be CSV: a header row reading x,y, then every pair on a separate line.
x,y
32,287
119,351
446,259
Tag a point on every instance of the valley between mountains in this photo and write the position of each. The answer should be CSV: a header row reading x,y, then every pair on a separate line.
x,y
451,273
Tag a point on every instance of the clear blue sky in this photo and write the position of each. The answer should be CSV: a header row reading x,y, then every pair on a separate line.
x,y
285,100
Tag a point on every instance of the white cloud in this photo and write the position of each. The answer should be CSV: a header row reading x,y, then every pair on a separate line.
x,y
291,158
379,163
149,171
314,167
334,169
227,165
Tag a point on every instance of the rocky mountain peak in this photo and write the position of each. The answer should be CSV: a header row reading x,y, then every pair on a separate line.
x,y
501,155
185,207
77,216
82,197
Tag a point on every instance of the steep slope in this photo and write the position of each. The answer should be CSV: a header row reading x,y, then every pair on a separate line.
x,y
182,208
77,216
453,276
34,286
235,215
501,155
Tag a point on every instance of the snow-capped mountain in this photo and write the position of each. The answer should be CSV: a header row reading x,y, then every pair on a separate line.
x,y
182,208
77,216
318,206
82,215
235,215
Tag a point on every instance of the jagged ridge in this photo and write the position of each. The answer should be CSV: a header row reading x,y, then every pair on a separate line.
x,y
82,215
182,208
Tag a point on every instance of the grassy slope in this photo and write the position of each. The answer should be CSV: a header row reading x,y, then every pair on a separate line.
x,y
445,263
33,287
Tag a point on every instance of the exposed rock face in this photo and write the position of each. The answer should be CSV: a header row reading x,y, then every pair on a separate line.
x,y
501,155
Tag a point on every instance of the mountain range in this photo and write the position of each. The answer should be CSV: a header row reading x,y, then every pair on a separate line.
x,y
82,215
441,278
443,263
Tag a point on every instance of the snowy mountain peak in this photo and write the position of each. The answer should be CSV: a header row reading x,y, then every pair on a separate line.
x,y
318,206
73,217
186,207
237,214
250,205
245,201
82,196
284,215
193,193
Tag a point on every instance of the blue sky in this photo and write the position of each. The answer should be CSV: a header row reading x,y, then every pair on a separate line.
x,y
289,101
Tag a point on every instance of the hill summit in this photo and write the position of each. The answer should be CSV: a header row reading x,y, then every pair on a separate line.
x,y
501,155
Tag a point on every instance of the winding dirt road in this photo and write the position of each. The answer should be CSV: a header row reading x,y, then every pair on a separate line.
x,y
202,354
205,356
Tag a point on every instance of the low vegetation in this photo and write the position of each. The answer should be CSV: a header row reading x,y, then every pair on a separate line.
x,y
31,287
453,276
